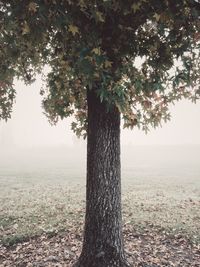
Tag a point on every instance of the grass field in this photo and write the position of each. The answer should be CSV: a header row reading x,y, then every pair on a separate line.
x,y
46,194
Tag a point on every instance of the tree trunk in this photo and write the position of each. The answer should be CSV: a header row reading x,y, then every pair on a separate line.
x,y
103,242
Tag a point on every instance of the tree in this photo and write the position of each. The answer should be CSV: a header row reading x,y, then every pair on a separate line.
x,y
91,49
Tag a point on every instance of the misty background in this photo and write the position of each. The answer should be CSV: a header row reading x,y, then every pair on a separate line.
x,y
29,143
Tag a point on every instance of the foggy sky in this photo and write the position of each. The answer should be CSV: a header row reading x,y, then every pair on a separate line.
x,y
29,126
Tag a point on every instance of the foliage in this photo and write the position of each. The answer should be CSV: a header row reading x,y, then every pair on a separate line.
x,y
96,45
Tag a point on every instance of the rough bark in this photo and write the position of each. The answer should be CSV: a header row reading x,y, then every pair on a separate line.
x,y
103,241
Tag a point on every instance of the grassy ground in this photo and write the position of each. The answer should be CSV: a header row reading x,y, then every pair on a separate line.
x,y
30,205
44,201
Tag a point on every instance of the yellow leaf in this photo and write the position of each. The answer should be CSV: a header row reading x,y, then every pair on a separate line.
x,y
73,29
136,7
96,51
32,7
108,64
96,75
25,28
82,4
119,107
100,16
156,16
89,58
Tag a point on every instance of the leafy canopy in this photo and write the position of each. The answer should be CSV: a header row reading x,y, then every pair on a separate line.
x,y
137,55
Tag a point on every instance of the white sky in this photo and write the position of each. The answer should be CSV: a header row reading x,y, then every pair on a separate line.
x,y
29,126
